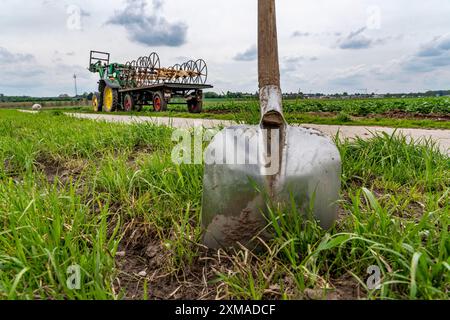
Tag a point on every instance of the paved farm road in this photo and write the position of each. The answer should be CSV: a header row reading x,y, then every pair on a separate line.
x,y
182,123
442,137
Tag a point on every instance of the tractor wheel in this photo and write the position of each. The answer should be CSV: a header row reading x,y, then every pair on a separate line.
x,y
101,89
159,104
195,105
96,102
128,103
110,99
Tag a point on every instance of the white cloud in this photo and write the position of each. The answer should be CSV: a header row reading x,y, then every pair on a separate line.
x,y
311,35
248,55
23,74
149,29
431,56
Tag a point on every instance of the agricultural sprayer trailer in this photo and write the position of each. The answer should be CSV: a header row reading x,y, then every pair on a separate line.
x,y
130,86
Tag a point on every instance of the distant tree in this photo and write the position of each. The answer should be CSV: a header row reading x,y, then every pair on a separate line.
x,y
211,95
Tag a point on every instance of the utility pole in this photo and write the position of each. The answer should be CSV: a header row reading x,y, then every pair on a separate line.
x,y
366,91
76,89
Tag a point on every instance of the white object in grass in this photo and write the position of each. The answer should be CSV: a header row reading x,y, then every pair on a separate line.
x,y
36,107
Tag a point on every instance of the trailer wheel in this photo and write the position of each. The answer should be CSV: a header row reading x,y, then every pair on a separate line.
x,y
96,102
195,105
159,104
128,103
110,99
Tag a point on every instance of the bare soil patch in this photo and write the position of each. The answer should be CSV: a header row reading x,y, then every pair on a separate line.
x,y
399,114
63,170
143,258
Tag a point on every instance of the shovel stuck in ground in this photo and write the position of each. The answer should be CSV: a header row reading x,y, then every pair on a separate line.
x,y
248,167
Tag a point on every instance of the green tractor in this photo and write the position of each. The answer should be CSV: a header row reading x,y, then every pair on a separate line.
x,y
141,82
111,80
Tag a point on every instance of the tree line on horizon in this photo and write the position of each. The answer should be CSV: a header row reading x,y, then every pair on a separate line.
x,y
239,95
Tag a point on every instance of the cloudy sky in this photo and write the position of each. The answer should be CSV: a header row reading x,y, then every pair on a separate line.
x,y
325,45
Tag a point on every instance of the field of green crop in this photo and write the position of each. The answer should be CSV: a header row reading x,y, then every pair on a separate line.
x,y
107,197
354,107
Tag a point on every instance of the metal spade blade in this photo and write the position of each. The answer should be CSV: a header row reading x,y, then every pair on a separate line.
x,y
248,166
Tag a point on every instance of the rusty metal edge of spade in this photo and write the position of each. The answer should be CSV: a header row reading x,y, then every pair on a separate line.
x,y
283,164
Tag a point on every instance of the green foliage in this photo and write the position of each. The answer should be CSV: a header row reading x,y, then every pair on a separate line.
x,y
343,117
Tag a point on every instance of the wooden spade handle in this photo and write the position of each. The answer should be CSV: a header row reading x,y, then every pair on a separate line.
x,y
268,65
